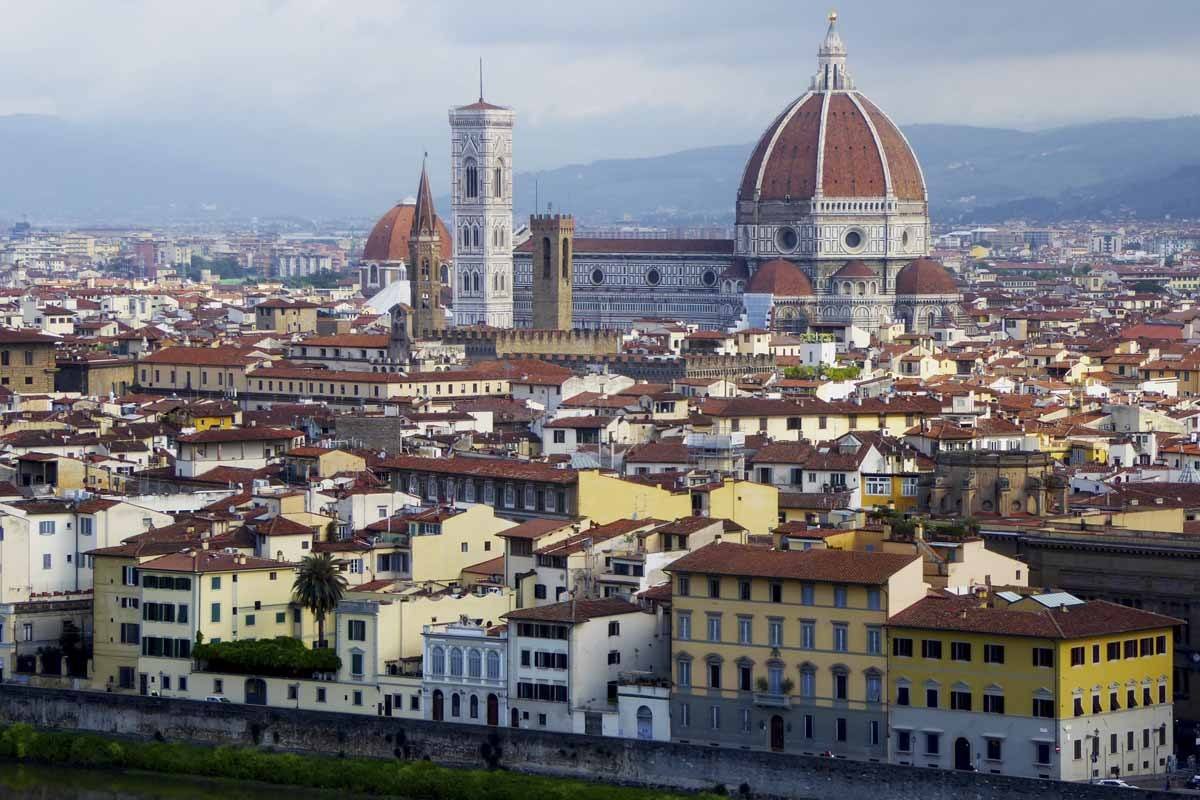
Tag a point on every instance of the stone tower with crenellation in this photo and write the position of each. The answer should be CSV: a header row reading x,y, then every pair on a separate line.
x,y
553,237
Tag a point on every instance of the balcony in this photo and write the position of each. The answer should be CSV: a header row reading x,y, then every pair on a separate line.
x,y
772,700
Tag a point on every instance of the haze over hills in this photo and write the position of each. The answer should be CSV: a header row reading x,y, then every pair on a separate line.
x,y
56,170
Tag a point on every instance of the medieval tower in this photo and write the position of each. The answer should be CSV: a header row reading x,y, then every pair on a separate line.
x,y
553,237
428,270
482,197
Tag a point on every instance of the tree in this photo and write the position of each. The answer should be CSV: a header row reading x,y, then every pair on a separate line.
x,y
319,587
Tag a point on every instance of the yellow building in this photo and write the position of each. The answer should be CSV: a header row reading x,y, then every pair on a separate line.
x,y
197,370
605,498
446,540
1042,686
784,649
222,596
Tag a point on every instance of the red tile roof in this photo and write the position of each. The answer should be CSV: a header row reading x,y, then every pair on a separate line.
x,y
836,566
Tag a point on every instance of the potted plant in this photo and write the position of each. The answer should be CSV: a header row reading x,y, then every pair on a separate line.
x,y
761,685
786,686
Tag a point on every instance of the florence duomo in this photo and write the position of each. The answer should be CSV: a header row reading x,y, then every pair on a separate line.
x,y
831,232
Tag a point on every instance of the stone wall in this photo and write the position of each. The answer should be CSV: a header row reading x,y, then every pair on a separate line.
x,y
616,760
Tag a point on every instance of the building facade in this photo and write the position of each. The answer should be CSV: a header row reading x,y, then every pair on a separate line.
x,y
784,650
1040,686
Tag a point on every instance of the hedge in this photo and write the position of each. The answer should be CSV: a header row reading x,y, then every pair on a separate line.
x,y
281,657
413,780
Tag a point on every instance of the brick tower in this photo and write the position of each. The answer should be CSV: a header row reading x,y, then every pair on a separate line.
x,y
553,238
428,270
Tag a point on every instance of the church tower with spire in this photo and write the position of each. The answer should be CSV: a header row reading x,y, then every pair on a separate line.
x,y
428,272
482,197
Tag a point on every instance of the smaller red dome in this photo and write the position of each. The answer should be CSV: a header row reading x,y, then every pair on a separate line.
x,y
388,240
781,278
925,276
855,269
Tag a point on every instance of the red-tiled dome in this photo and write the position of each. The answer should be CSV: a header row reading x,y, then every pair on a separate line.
x,y
834,143
389,238
781,278
855,269
925,276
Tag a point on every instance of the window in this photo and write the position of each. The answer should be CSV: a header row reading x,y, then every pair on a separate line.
x,y
614,657
808,634
839,596
1131,648
808,682
841,686
1114,703
714,674
1078,656
874,641
1131,698
683,625
993,703
46,527
902,696
960,651
456,662
684,585
1078,706
715,717
1078,749
874,688
1113,651
744,630
873,600
904,741
714,587
714,627
357,630
1043,707
216,583
745,677
684,673
215,612
993,654
86,525
743,589
839,729
614,628
807,593
933,743
931,648
46,561
356,664
931,698
250,619
685,714
1043,752
470,179
775,632
840,637
1160,645
1044,657
776,592
493,665
995,749
902,647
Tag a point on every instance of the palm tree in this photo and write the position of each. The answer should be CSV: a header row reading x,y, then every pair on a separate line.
x,y
319,587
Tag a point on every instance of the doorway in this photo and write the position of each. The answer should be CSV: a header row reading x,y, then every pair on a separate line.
x,y
493,710
962,754
439,706
516,718
645,723
387,705
777,733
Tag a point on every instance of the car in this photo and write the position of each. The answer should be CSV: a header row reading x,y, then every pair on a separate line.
x,y
1193,782
1117,782
216,698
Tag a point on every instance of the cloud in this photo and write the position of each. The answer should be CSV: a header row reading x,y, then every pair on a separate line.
x,y
589,80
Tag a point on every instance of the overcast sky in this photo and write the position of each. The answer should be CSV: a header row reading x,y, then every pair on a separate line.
x,y
588,79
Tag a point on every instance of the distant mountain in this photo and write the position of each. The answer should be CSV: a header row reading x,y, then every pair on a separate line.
x,y
52,170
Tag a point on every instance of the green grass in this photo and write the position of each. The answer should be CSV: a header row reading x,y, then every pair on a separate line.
x,y
414,780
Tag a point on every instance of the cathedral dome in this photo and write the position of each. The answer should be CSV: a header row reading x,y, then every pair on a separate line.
x,y
832,142
781,278
925,276
855,269
388,240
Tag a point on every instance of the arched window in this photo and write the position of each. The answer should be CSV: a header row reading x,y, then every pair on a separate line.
x,y
474,664
455,705
476,281
546,258
808,681
456,662
475,236
566,257
425,269
464,236
474,706
498,180
439,661
493,665
444,273
470,179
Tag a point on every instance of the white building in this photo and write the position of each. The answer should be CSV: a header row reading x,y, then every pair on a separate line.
x,y
465,677
482,197
567,662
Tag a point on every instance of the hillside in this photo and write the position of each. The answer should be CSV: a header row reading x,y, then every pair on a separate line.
x,y
52,169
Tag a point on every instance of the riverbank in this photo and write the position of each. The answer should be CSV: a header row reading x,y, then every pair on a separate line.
x,y
419,780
